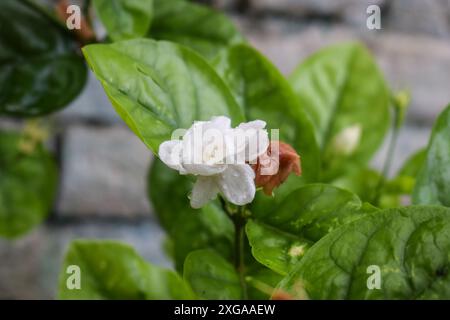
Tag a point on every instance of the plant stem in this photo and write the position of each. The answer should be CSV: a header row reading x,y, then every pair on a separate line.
x,y
239,245
223,204
238,219
389,157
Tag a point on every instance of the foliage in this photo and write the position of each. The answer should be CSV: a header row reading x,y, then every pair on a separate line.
x,y
40,70
168,63
28,180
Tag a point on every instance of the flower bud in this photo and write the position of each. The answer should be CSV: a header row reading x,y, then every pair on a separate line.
x,y
274,166
347,140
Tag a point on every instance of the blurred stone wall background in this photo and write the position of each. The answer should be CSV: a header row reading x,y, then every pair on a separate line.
x,y
104,166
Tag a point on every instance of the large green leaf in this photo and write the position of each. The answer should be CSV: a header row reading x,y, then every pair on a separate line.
x,y
189,229
40,71
265,204
199,27
112,270
281,237
433,182
346,96
158,86
211,276
314,210
265,94
274,248
125,19
410,246
27,185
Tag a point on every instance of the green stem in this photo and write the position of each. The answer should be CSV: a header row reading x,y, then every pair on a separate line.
x,y
224,206
389,157
239,250
239,220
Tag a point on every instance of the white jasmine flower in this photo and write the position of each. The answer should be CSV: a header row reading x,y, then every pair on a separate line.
x,y
218,155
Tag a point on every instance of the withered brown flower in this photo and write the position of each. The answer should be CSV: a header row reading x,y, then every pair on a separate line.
x,y
274,167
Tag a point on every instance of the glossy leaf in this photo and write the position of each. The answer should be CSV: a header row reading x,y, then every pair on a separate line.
x,y
157,87
40,70
27,185
211,276
274,248
125,19
433,182
189,229
280,238
314,210
201,28
340,87
112,270
265,94
409,245
265,204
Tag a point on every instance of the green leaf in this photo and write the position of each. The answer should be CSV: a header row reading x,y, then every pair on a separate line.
x,y
433,181
189,229
274,248
265,94
265,204
409,245
157,87
203,29
314,210
112,270
412,165
339,87
40,71
211,276
280,238
27,185
125,19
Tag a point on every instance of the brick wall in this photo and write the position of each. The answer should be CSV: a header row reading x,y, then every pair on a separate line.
x,y
103,166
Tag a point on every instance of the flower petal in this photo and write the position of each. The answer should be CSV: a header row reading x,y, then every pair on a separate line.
x,y
237,184
199,142
204,169
205,189
221,123
251,140
170,153
255,124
